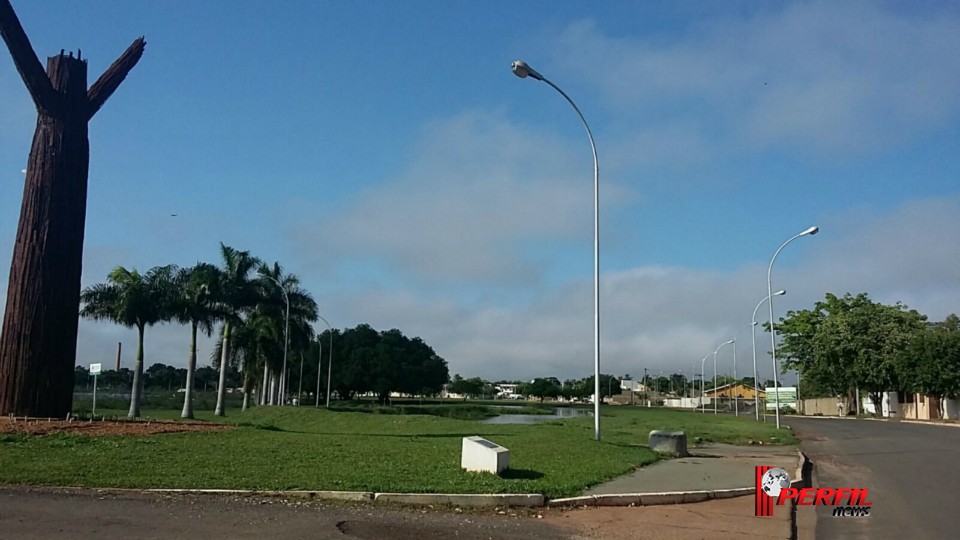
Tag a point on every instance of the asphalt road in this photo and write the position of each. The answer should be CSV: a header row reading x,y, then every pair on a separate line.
x,y
45,514
910,469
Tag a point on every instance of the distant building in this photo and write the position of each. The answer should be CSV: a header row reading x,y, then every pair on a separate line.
x,y
627,384
729,391
508,391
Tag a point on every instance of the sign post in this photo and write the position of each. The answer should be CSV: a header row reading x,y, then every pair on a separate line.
x,y
94,370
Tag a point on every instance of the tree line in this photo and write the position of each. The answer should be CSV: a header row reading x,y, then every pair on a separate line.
x,y
851,342
157,377
260,312
581,389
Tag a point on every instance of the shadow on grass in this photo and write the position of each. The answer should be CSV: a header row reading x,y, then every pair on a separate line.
x,y
521,474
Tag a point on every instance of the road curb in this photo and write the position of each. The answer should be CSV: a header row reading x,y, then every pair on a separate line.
x,y
360,496
460,499
452,499
804,480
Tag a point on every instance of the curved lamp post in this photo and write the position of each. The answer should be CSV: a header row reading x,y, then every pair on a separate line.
x,y
522,70
329,364
286,337
773,333
715,397
756,383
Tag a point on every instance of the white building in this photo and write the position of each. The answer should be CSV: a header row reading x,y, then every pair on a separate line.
x,y
508,391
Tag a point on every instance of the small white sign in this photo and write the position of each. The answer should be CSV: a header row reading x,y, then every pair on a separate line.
x,y
94,369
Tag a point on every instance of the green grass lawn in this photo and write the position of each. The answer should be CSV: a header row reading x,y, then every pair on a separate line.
x,y
304,448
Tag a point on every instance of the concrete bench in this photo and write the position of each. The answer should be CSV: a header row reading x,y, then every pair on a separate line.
x,y
673,443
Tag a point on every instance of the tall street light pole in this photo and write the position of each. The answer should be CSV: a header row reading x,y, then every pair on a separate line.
x,y
773,333
703,407
329,363
715,374
286,337
753,331
522,70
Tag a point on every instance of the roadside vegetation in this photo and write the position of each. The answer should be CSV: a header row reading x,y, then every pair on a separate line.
x,y
264,319
849,343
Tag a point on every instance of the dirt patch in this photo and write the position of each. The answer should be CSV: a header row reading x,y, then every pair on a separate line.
x,y
44,426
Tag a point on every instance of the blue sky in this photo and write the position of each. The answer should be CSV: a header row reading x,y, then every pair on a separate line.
x,y
384,152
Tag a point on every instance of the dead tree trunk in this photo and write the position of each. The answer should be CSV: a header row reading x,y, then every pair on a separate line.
x,y
39,334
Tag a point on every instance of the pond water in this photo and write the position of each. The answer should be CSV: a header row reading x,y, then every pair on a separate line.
x,y
558,412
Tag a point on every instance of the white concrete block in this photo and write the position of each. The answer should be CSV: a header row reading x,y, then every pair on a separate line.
x,y
481,455
673,443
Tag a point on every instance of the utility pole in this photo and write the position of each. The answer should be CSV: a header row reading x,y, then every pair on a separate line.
x,y
119,346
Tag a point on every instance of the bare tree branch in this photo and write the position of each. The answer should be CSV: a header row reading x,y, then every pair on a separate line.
x,y
113,76
29,66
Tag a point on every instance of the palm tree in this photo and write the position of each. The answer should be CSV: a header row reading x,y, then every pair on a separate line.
x,y
236,294
195,304
133,300
277,289
254,340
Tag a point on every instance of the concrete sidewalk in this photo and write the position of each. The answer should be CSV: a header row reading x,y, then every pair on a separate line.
x,y
721,476
709,468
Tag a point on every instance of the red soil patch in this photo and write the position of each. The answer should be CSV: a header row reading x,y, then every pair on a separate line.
x,y
45,426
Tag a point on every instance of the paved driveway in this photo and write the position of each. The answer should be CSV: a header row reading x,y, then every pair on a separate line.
x,y
910,469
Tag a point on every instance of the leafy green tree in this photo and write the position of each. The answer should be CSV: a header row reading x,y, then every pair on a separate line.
x,y
82,377
133,300
236,293
195,303
847,342
384,362
205,377
678,383
542,388
113,380
358,357
424,371
930,364
164,377
472,387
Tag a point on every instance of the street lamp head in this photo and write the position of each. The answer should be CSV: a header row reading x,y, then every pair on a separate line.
x,y
729,342
522,70
781,292
811,231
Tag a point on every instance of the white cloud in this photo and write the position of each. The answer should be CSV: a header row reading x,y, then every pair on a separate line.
x,y
908,253
669,318
478,198
826,77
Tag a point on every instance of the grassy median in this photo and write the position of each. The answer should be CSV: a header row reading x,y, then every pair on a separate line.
x,y
314,449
